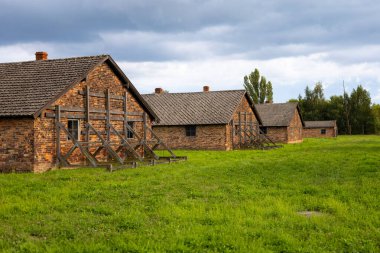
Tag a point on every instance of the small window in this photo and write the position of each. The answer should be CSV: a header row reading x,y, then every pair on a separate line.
x,y
264,130
237,129
191,130
73,127
323,131
129,132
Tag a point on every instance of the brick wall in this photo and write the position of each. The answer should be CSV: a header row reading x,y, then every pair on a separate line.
x,y
290,134
100,79
295,129
232,134
278,134
207,137
16,144
316,132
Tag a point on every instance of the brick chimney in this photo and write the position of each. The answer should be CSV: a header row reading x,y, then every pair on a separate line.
x,y
158,90
206,88
41,56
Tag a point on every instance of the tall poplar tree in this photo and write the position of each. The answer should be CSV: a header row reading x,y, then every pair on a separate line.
x,y
258,88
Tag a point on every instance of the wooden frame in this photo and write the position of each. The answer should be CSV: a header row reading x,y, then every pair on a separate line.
x,y
249,133
116,145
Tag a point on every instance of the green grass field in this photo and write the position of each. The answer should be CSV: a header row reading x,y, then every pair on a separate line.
x,y
236,201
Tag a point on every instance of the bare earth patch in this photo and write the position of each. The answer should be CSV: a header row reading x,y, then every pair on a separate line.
x,y
310,213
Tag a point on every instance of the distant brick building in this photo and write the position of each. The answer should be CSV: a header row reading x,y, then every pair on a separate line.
x,y
320,129
43,98
204,120
281,122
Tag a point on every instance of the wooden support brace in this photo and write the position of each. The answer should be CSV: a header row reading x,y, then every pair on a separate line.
x,y
106,146
58,134
83,150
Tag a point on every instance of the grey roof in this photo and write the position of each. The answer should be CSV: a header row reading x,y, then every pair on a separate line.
x,y
320,123
28,87
279,115
196,108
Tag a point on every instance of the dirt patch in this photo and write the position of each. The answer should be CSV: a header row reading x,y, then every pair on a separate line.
x,y
310,213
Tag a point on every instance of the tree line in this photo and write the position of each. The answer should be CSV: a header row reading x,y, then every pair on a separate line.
x,y
354,112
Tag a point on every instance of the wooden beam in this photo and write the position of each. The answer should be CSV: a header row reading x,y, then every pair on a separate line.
x,y
245,127
251,126
144,126
94,110
161,143
58,133
92,117
144,136
125,107
108,114
83,150
232,134
106,145
125,143
100,95
240,130
87,113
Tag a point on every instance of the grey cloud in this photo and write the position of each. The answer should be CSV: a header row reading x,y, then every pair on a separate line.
x,y
182,29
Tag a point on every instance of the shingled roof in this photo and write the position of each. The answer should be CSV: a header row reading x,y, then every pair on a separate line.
x,y
196,108
278,115
26,88
320,123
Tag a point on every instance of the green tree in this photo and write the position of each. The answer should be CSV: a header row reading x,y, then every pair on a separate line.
x,y
362,120
335,111
313,105
376,115
258,88
269,92
263,90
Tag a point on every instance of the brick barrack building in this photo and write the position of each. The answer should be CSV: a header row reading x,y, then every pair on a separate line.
x,y
70,111
281,122
320,129
219,120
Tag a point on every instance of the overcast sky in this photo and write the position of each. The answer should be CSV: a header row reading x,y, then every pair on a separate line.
x,y
181,45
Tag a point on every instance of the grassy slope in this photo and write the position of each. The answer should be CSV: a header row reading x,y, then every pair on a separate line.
x,y
217,201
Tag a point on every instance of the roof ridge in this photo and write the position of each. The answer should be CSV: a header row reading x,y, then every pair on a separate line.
x,y
194,92
57,59
284,103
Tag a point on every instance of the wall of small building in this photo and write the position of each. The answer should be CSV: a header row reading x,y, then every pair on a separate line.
x,y
99,80
295,129
16,144
289,134
232,131
278,134
316,132
212,137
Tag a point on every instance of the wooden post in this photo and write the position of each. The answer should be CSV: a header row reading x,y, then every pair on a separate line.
x,y
58,133
240,136
87,112
144,122
125,104
233,134
251,126
245,127
108,118
145,132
